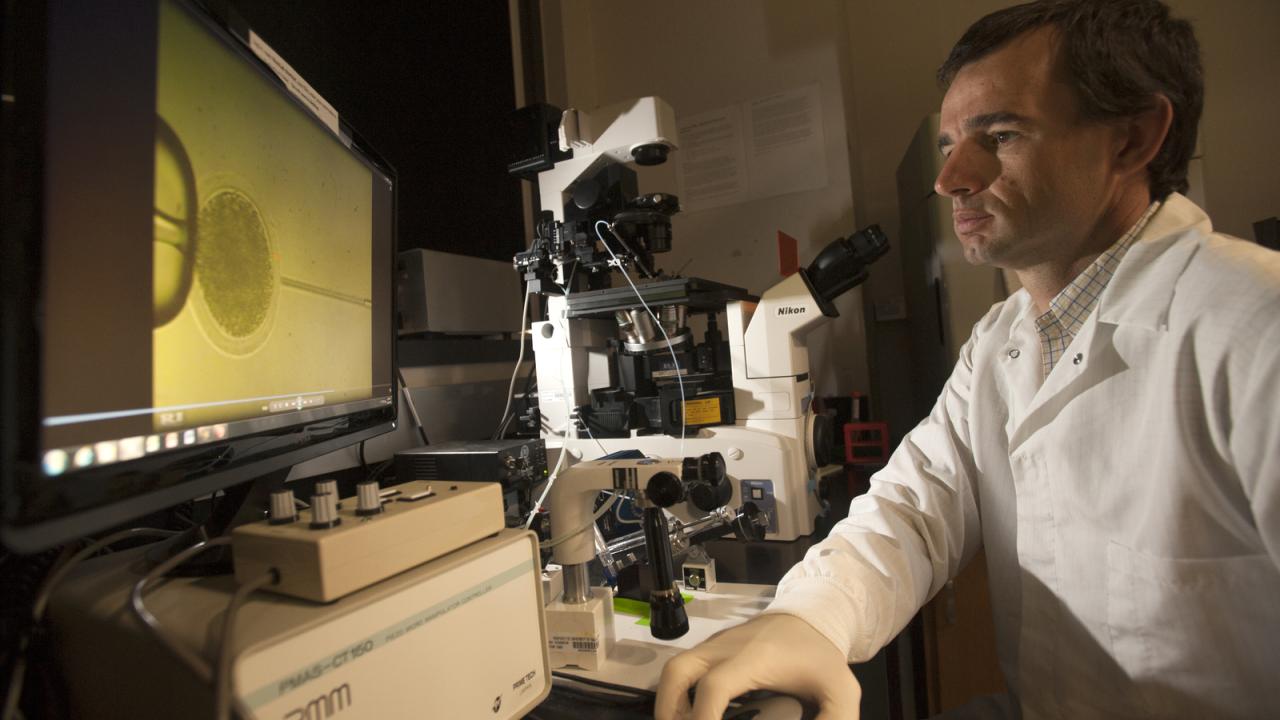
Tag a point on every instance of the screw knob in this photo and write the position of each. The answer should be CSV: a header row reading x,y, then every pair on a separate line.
x,y
331,487
324,511
368,502
283,509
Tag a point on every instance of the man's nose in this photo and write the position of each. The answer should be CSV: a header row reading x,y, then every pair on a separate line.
x,y
966,171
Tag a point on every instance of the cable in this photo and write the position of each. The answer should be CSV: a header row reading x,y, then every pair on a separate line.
x,y
511,389
555,473
192,661
17,675
222,692
603,451
647,271
599,513
621,689
670,345
381,468
568,413
42,599
413,410
196,664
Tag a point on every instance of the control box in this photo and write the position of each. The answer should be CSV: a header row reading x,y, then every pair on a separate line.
x,y
461,637
520,462
418,522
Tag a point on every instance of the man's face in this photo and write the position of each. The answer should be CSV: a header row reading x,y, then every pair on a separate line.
x,y
1029,180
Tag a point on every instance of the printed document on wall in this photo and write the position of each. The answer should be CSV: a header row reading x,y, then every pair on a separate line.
x,y
786,148
712,159
768,146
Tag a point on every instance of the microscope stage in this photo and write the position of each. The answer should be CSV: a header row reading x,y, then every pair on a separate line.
x,y
697,294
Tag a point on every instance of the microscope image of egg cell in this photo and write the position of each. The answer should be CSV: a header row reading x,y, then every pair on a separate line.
x,y
175,225
235,269
279,240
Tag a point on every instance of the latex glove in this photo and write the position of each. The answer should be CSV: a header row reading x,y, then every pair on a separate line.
x,y
772,652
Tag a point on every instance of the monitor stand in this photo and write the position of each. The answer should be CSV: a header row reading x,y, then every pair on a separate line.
x,y
239,504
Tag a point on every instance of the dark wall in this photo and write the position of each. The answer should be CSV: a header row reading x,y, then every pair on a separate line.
x,y
429,84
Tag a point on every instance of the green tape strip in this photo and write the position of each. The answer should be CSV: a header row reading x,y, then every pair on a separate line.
x,y
639,608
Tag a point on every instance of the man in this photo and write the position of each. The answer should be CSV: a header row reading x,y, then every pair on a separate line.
x,y
1110,434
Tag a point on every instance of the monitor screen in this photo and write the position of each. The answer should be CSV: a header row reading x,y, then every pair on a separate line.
x,y
207,268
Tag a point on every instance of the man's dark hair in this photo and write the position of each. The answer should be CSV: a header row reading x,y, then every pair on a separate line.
x,y
1119,54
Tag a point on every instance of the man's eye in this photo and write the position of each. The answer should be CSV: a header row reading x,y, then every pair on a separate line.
x,y
1002,137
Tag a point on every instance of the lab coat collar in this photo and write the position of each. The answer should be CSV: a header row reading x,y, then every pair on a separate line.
x,y
1142,289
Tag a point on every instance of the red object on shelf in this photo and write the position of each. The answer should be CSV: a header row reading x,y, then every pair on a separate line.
x,y
866,442
788,255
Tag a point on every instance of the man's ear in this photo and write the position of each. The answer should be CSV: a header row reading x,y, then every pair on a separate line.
x,y
1143,134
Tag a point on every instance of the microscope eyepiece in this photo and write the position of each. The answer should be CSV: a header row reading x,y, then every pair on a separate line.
x,y
842,265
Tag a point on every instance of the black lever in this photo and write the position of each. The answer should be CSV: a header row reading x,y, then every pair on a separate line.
x,y
667,617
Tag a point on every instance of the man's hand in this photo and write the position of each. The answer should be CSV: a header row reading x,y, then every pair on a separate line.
x,y
771,652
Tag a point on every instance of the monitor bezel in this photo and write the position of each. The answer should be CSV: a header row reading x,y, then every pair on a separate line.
x,y
38,512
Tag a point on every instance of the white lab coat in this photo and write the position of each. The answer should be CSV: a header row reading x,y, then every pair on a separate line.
x,y
1129,506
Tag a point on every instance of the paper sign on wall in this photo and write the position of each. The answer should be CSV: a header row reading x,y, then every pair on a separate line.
x,y
772,145
712,159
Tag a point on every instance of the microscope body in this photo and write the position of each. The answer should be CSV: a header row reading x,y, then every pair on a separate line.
x,y
773,446
618,372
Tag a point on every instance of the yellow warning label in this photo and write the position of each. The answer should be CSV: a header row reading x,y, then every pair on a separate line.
x,y
702,412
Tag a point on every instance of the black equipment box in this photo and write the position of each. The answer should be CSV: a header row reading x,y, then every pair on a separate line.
x,y
515,463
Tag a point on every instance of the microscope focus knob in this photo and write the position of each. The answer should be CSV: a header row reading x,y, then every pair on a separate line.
x,y
283,508
707,468
708,482
708,496
368,502
664,489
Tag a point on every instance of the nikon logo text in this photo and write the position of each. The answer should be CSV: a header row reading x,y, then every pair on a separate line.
x,y
787,310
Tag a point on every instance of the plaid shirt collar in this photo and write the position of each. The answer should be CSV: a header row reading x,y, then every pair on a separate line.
x,y
1067,312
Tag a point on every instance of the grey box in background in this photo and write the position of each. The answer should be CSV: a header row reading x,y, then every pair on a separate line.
x,y
514,462
446,293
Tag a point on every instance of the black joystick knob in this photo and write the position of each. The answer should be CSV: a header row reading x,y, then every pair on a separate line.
x,y
667,617
752,523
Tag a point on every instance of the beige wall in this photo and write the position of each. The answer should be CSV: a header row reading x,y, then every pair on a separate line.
x,y
1240,42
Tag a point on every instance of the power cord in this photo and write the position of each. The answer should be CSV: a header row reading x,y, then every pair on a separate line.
x,y
599,513
413,409
222,694
568,423
194,662
511,389
17,675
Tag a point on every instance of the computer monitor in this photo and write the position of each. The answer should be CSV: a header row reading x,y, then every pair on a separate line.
x,y
197,268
